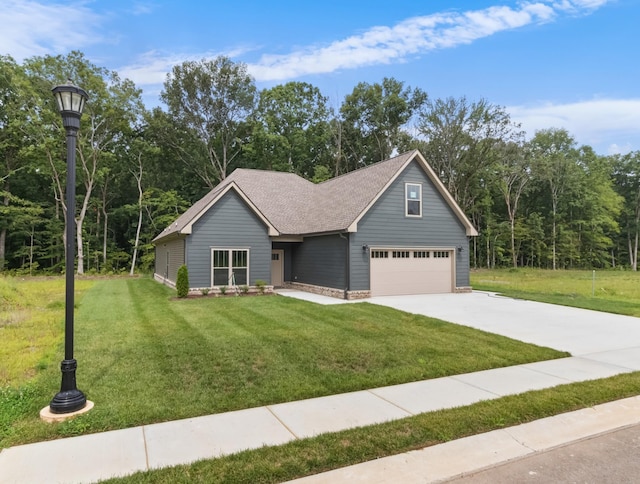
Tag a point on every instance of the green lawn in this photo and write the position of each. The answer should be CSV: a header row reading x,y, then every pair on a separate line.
x,y
144,356
610,291
31,312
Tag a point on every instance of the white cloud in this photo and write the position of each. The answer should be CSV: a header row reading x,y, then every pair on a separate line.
x,y
140,8
152,67
577,6
413,36
29,28
615,149
378,45
608,125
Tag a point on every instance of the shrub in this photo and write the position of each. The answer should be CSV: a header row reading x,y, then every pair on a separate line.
x,y
260,284
223,290
204,291
244,288
182,284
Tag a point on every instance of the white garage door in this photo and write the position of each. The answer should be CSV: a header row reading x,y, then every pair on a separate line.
x,y
411,271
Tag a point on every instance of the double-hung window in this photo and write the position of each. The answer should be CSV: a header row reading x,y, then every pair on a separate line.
x,y
413,198
230,266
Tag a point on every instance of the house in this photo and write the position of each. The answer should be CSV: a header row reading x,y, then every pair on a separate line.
x,y
390,228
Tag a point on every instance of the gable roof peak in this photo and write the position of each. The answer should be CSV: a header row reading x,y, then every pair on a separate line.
x,y
292,205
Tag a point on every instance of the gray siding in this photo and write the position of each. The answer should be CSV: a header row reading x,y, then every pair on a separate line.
x,y
386,225
321,261
230,223
173,253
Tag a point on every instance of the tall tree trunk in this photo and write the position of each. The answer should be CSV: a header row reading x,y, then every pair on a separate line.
x,y
633,251
3,238
514,257
31,251
105,223
138,177
488,251
3,241
80,248
553,236
104,240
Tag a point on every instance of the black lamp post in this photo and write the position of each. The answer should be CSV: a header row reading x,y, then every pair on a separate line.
x,y
71,100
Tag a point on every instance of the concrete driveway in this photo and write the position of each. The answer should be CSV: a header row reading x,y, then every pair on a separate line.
x,y
578,331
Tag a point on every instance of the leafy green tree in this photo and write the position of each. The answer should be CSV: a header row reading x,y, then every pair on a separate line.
x,y
212,101
291,131
596,208
460,137
627,178
13,92
532,237
177,156
21,217
114,107
513,175
554,162
373,118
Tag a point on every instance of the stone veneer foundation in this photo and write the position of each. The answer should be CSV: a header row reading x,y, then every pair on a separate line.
x,y
328,291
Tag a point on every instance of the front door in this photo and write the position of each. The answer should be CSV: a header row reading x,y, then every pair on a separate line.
x,y
277,268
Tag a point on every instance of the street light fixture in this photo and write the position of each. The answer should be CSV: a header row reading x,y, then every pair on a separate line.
x,y
71,100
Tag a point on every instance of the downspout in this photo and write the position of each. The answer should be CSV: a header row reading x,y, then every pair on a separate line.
x,y
347,274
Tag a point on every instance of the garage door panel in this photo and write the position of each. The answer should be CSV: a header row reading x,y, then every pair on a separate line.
x,y
411,275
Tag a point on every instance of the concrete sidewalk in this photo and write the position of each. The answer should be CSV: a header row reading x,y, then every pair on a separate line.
x,y
122,452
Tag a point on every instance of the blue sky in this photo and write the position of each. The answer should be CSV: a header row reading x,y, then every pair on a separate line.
x,y
570,64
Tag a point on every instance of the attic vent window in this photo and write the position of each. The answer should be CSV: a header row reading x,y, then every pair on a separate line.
x,y
413,199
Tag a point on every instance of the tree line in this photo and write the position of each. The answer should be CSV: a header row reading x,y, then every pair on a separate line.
x,y
541,202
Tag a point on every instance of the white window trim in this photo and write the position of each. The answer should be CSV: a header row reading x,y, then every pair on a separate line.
x,y
230,268
406,199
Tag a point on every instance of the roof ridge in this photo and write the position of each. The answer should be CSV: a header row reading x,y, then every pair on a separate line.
x,y
372,165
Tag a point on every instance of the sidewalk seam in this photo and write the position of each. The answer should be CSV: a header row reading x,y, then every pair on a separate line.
x,y
390,402
146,450
297,437
524,365
498,395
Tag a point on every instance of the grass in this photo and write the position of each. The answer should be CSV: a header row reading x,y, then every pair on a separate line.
x,y
612,291
139,350
144,356
330,451
31,325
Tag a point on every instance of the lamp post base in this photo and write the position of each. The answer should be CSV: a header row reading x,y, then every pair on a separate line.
x,y
48,416
69,398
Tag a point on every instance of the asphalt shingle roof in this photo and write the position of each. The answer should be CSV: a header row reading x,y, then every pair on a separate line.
x,y
295,206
